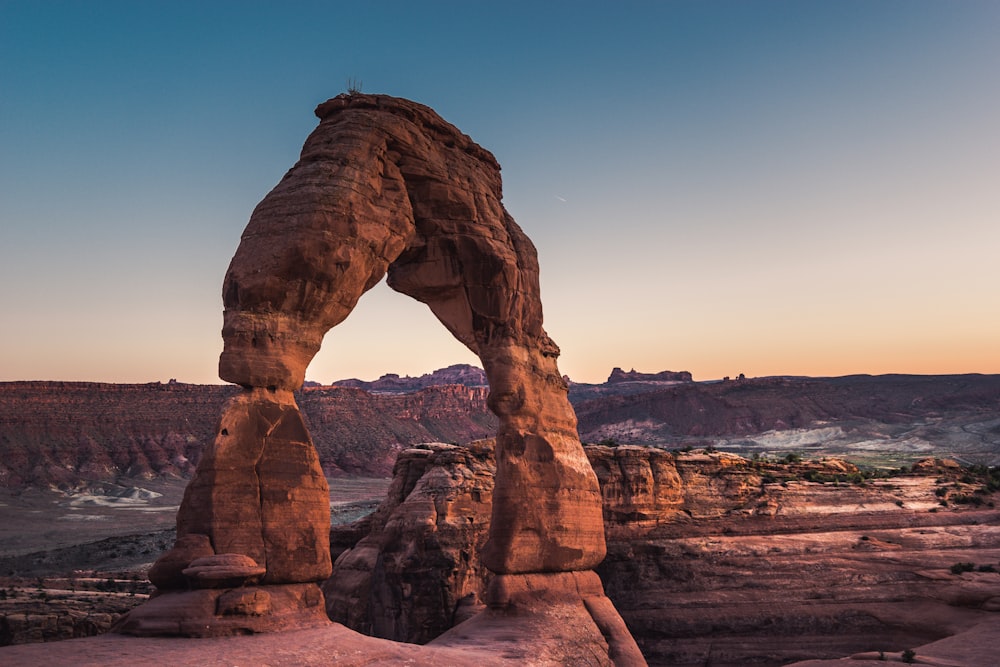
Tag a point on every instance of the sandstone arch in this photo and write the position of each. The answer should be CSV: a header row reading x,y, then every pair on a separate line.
x,y
385,187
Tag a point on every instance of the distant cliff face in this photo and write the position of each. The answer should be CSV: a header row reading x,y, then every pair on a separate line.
x,y
674,414
361,433
62,433
65,434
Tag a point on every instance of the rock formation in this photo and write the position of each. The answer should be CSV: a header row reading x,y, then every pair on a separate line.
x,y
712,558
386,187
618,376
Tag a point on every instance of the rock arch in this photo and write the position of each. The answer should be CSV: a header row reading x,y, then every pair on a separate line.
x,y
383,187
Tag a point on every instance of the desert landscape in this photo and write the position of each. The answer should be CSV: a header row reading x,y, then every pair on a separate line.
x,y
759,538
775,224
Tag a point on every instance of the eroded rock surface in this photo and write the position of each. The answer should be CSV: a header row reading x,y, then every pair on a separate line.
x,y
419,570
712,558
383,187
386,187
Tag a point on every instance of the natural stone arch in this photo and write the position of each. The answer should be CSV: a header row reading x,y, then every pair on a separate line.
x,y
384,187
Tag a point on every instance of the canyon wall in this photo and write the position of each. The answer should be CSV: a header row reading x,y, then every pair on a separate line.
x,y
69,434
712,558
748,406
64,434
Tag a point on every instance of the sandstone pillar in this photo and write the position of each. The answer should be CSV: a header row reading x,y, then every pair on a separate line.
x,y
546,502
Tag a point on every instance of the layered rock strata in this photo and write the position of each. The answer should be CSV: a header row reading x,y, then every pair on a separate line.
x,y
385,187
712,558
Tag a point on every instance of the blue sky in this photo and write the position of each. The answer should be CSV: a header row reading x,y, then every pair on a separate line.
x,y
721,187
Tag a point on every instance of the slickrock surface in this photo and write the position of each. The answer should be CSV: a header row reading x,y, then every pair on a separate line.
x,y
514,640
316,647
336,645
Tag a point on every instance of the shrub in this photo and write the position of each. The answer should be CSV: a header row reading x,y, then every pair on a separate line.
x,y
908,656
959,568
986,568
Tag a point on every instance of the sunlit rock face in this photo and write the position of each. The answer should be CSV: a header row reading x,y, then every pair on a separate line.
x,y
385,187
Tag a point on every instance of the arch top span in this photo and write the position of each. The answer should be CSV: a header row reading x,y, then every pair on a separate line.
x,y
383,185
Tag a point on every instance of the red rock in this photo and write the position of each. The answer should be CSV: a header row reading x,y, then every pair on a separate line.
x,y
260,491
223,571
386,186
419,569
219,612
168,571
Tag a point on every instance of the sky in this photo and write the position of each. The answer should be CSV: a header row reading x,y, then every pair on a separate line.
x,y
768,188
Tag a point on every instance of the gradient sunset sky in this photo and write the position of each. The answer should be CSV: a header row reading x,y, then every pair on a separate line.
x,y
772,188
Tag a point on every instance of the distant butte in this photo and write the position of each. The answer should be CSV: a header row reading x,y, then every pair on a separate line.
x,y
618,375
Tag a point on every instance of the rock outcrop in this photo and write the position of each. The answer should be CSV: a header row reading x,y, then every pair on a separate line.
x,y
385,187
618,376
712,558
418,570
